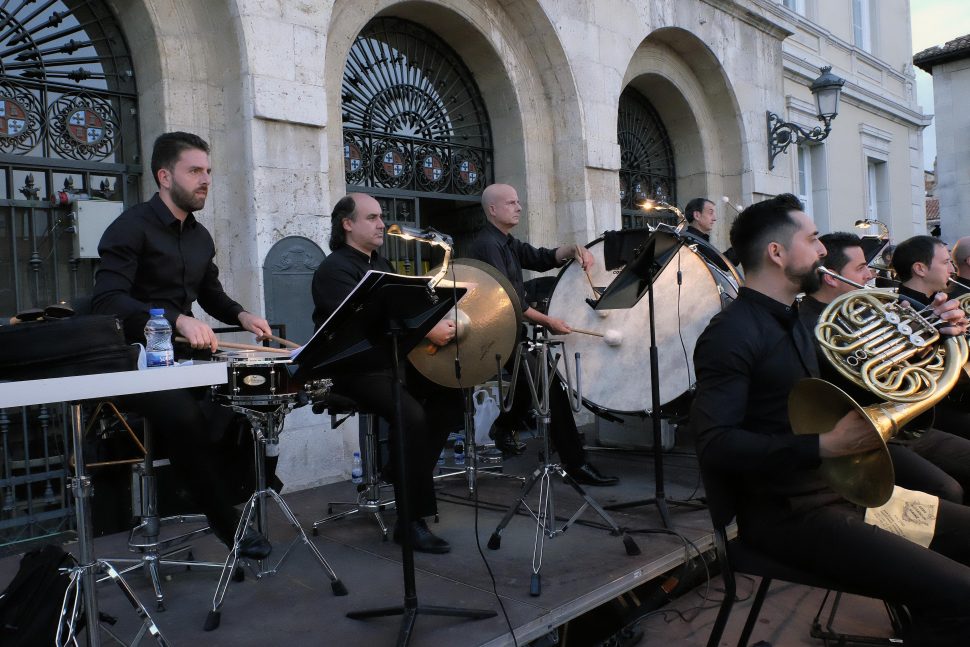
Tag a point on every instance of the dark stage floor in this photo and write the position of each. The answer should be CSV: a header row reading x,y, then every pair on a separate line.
x,y
581,569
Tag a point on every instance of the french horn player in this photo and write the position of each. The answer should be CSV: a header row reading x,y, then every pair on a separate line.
x,y
748,360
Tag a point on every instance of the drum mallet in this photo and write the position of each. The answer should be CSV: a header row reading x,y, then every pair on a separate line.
x,y
611,337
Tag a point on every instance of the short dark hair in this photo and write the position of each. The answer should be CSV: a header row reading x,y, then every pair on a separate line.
x,y
918,249
761,223
887,252
697,204
344,208
169,146
835,245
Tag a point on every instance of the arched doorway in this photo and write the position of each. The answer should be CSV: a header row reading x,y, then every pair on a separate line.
x,y
646,161
68,136
68,131
416,134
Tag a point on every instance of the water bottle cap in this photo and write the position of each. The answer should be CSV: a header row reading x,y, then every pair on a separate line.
x,y
357,454
156,312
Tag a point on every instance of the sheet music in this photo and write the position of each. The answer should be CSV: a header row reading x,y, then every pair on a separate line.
x,y
367,279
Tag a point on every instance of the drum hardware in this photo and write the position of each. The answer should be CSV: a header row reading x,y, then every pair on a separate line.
x,y
266,425
884,347
487,321
548,353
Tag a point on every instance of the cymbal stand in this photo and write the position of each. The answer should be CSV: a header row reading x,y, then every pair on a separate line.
x,y
472,469
265,426
81,590
548,355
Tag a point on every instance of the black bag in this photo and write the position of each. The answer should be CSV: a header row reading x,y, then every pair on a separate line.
x,y
78,345
30,607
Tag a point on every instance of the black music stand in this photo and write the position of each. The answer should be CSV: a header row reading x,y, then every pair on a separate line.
x,y
626,290
383,318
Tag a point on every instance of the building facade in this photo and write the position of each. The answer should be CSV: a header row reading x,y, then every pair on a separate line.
x,y
950,66
588,108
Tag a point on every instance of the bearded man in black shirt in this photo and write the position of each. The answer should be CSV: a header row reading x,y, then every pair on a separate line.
x,y
747,361
157,255
430,411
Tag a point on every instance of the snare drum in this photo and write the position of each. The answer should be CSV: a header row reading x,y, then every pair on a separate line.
x,y
257,381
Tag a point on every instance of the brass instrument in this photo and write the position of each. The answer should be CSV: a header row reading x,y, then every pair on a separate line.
x,y
890,350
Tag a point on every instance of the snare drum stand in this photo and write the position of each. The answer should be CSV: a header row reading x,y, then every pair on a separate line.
x,y
265,432
545,512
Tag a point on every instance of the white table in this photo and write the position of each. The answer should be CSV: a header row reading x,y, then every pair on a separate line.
x,y
76,389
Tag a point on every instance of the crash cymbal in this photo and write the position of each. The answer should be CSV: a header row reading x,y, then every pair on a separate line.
x,y
488,319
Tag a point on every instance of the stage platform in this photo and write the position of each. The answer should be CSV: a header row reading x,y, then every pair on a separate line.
x,y
581,569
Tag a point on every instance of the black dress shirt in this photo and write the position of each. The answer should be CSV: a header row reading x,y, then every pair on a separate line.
x,y
747,361
338,275
697,233
510,256
149,259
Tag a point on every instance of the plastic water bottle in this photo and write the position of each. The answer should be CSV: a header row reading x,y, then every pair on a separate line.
x,y
441,457
459,450
357,471
158,340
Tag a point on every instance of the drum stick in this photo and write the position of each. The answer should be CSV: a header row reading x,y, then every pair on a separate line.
x,y
587,332
280,340
235,346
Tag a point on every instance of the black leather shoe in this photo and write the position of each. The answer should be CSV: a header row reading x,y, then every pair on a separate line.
x,y
506,442
586,474
254,545
422,539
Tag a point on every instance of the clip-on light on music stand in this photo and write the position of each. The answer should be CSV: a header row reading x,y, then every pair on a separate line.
x,y
382,319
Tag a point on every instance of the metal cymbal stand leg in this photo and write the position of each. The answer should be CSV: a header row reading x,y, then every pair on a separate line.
x,y
545,511
472,469
265,426
82,591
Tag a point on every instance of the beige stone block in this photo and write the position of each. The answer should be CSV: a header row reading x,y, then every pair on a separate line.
x,y
309,55
291,101
285,145
269,47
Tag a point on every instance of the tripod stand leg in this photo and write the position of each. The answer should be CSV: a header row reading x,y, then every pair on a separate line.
x,y
629,544
214,617
495,541
148,624
336,585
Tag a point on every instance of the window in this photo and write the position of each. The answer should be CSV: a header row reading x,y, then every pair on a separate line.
x,y
877,190
805,177
798,6
812,185
861,20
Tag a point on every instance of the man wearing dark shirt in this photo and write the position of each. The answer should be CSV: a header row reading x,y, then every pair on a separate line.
x,y
497,247
430,412
928,460
747,361
701,216
961,261
923,267
157,255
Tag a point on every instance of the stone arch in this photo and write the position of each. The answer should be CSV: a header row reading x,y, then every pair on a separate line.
x,y
187,57
518,63
677,72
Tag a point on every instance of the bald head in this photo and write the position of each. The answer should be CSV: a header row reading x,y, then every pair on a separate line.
x,y
500,202
961,256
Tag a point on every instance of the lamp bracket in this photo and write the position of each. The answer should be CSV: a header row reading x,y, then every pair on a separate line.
x,y
782,134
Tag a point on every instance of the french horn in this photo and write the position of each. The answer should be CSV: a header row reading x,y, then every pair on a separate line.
x,y
892,351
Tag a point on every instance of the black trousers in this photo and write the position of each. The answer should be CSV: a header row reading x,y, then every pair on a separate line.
x,y
834,542
562,426
936,462
183,425
430,413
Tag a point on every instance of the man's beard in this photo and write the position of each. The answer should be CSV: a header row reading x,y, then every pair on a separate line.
x,y
809,281
185,200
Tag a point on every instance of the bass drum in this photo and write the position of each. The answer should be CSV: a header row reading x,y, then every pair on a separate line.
x,y
616,376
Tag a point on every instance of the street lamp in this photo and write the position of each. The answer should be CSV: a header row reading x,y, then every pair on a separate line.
x,y
781,134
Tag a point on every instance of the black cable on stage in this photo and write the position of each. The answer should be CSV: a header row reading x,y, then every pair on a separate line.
x,y
464,401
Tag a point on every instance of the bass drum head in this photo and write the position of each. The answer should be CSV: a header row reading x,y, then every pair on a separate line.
x,y
617,377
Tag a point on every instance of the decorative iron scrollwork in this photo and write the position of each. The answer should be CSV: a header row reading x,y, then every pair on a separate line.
x,y
82,126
